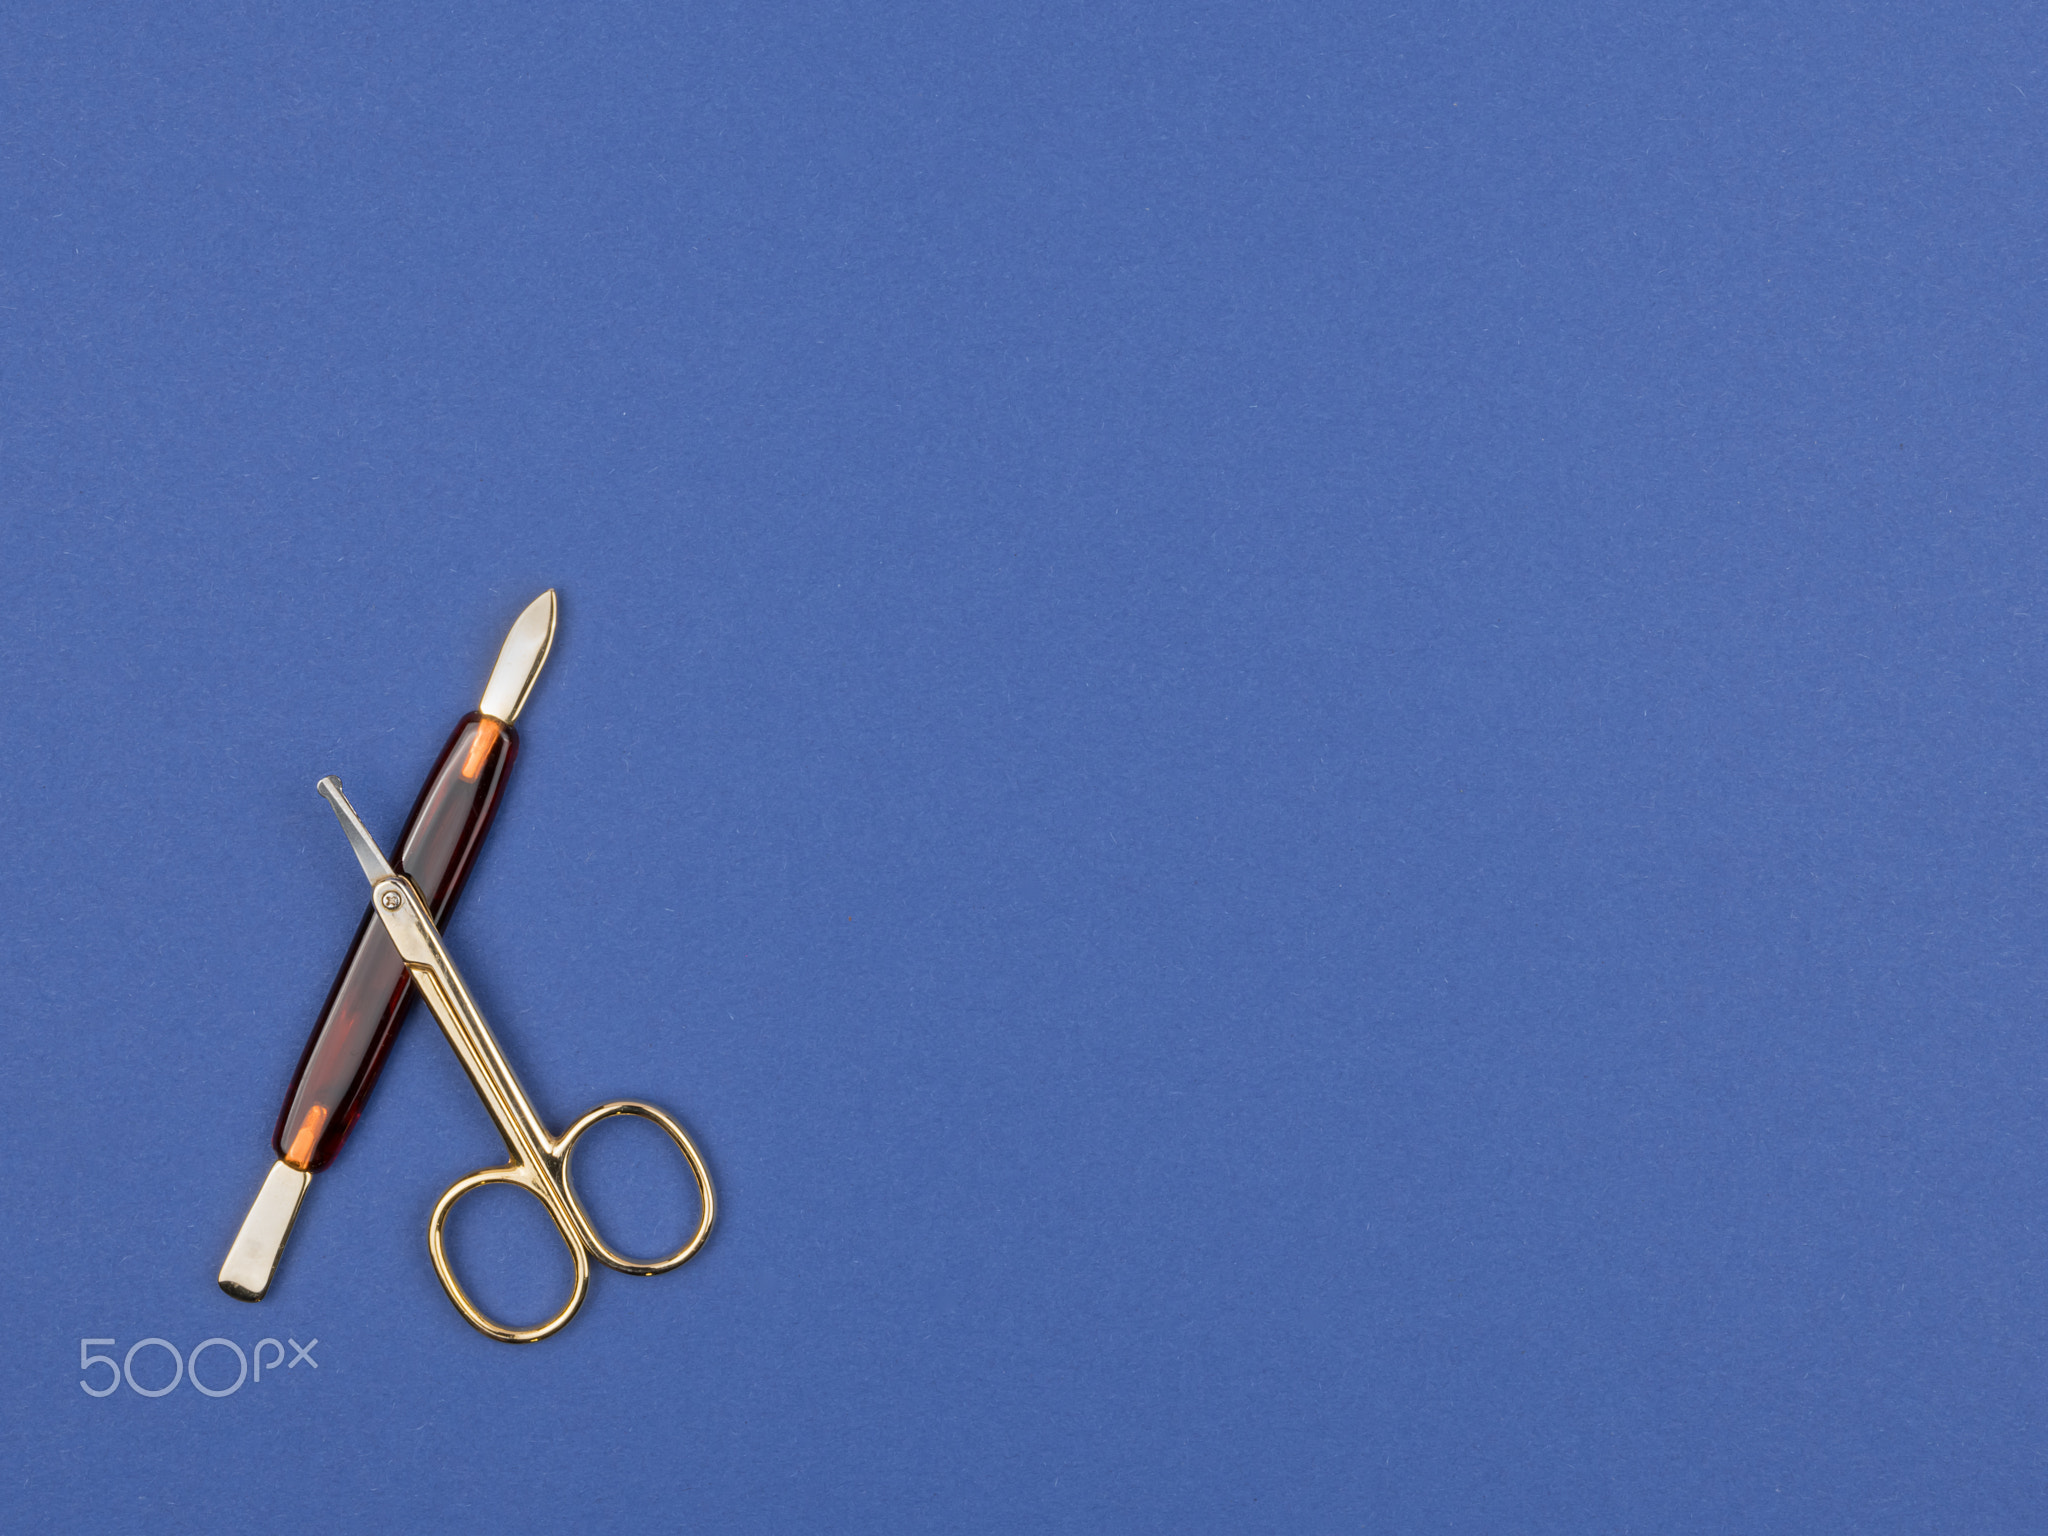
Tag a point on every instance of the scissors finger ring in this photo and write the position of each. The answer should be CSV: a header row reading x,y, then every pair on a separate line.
x,y
540,1162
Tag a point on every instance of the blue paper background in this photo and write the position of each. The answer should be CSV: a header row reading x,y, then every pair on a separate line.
x,y
1309,735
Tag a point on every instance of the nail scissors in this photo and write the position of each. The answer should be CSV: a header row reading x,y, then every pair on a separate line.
x,y
540,1162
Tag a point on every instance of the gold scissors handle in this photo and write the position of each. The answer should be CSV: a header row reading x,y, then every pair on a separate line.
x,y
540,1162
550,1182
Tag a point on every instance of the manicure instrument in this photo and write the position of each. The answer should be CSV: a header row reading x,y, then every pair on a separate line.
x,y
398,951
540,1162
372,992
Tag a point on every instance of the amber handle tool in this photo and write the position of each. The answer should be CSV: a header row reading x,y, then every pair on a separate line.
x,y
372,992
540,1162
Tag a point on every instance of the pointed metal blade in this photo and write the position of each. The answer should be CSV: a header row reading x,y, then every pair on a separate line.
x,y
367,852
519,663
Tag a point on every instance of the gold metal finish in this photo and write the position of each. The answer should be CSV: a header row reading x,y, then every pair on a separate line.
x,y
540,1162
519,662
252,1257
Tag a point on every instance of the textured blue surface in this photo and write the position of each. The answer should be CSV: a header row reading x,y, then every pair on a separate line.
x,y
1310,736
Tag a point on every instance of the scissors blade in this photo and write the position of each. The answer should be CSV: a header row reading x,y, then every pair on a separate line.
x,y
403,912
519,662
375,865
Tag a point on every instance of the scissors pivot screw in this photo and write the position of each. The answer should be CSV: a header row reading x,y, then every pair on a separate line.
x,y
391,901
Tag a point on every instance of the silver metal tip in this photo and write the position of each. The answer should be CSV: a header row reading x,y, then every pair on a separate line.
x,y
252,1258
524,653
